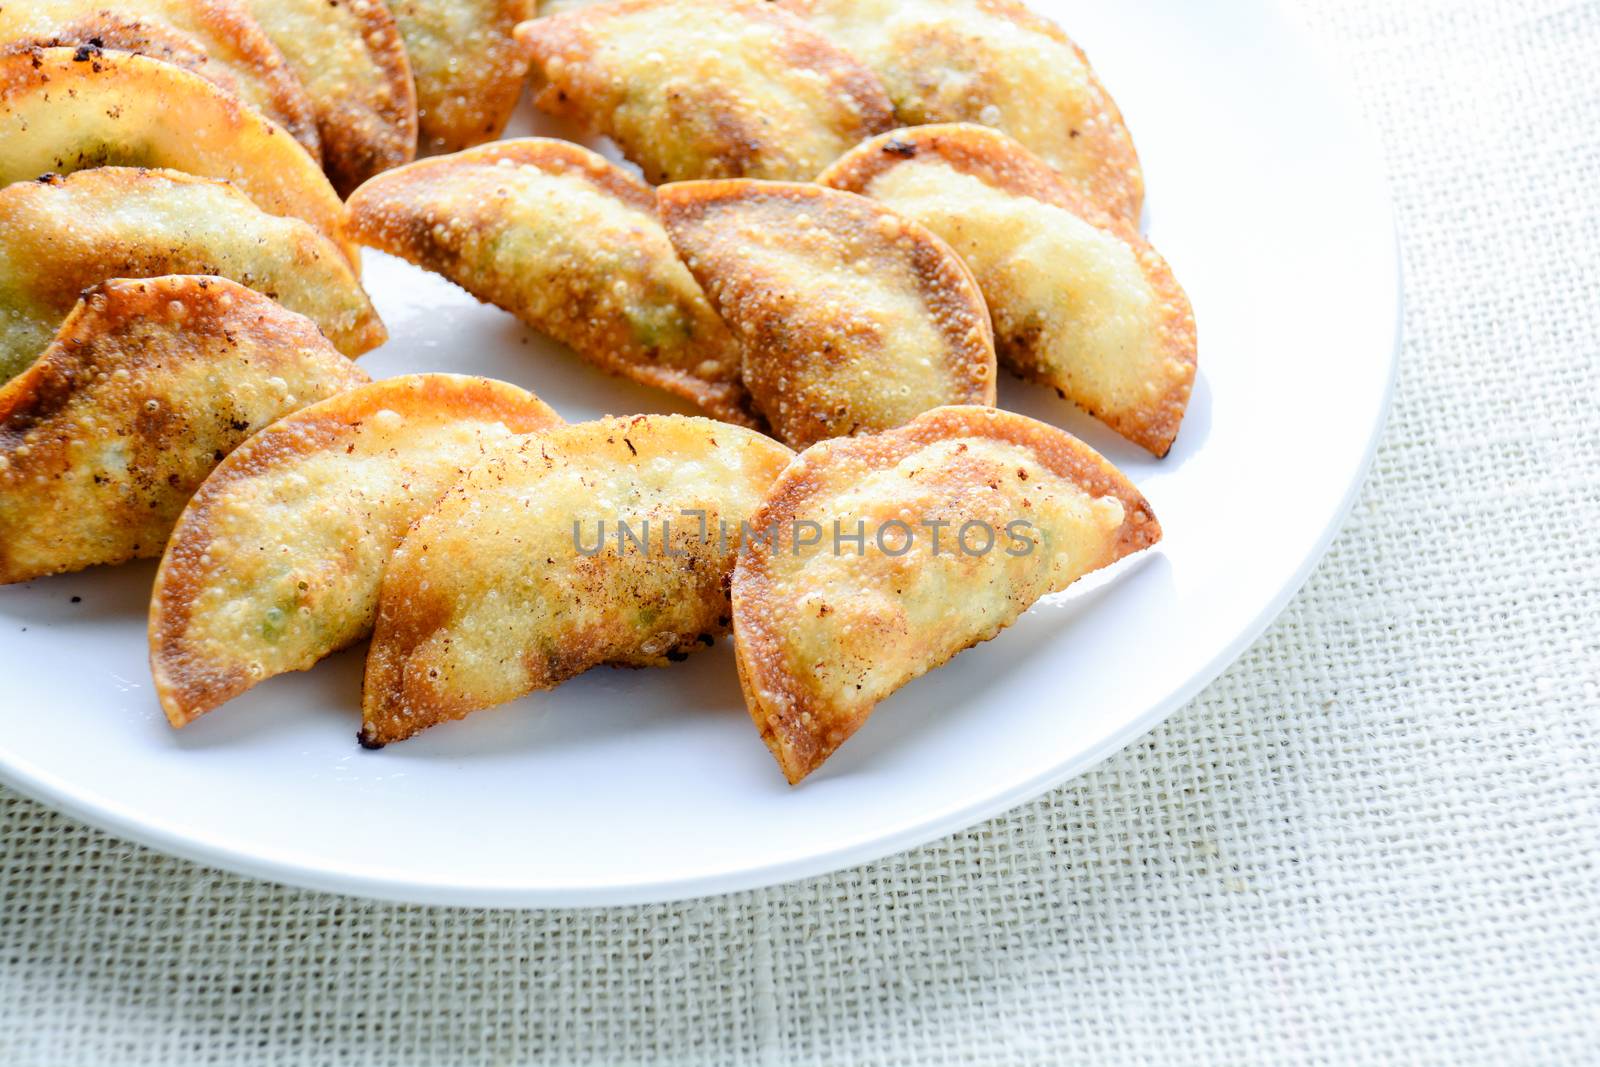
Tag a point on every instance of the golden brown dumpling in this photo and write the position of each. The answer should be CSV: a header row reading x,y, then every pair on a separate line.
x,y
60,236
467,67
277,559
852,319
522,576
706,88
217,39
352,61
570,244
1079,300
65,109
968,516
148,384
997,63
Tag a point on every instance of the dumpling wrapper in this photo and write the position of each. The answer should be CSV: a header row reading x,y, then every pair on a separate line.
x,y
60,236
148,384
997,63
509,585
467,66
276,562
852,319
822,635
65,110
1079,300
352,61
219,40
706,88
570,244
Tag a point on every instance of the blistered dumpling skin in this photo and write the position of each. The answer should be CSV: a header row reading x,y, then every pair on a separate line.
x,y
994,511
276,561
467,66
60,236
851,318
1079,300
521,577
65,109
706,88
569,243
997,63
352,61
148,384
219,40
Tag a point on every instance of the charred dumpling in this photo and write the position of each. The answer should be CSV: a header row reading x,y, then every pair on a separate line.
x,y
148,384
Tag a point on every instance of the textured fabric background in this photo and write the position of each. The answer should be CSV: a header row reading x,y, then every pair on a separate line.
x,y
1374,839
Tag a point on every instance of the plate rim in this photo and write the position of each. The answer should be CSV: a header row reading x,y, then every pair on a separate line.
x,y
107,816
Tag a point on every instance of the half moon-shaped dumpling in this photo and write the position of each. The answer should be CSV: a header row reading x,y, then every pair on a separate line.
x,y
146,387
64,110
1079,300
605,542
467,66
852,319
60,236
217,39
569,243
276,562
994,62
706,88
352,61
967,516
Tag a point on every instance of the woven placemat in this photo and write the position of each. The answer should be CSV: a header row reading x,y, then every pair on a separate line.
x,y
1374,839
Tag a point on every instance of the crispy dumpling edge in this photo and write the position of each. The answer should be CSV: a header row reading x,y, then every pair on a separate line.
x,y
1118,188
386,660
757,646
23,74
541,35
727,401
366,333
103,309
306,432
680,202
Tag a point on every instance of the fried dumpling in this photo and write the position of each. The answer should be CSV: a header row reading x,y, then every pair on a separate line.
x,y
467,67
276,561
706,88
64,110
605,542
967,516
1079,300
570,244
148,384
60,236
217,39
851,318
994,62
352,61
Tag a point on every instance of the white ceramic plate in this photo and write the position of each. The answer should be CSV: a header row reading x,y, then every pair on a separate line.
x,y
627,786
